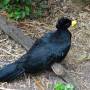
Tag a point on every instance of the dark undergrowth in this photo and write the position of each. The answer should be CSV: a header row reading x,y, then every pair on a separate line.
x,y
20,9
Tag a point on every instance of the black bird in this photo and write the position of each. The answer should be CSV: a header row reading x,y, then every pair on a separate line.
x,y
50,48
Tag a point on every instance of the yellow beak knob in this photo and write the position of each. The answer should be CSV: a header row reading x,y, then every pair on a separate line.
x,y
74,23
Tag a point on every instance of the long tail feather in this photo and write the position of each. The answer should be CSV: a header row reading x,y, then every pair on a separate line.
x,y
11,71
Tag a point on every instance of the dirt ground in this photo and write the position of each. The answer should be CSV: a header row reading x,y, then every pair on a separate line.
x,y
77,59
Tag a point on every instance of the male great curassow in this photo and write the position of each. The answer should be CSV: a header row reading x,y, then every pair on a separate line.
x,y
51,48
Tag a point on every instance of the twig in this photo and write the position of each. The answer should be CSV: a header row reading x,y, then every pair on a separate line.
x,y
4,39
7,52
2,88
38,84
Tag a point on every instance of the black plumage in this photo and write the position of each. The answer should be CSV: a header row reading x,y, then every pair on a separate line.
x,y
50,48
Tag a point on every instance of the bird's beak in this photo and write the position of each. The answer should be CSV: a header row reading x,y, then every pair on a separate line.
x,y
74,23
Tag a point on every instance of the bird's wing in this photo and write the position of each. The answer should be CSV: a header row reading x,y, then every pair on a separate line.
x,y
42,41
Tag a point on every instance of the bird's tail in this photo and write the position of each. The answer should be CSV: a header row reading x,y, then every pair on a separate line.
x,y
11,71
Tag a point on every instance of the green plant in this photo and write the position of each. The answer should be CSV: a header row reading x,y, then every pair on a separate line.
x,y
19,9
61,86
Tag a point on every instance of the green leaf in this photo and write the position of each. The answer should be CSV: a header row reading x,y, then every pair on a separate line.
x,y
11,15
27,10
28,2
23,14
17,15
5,2
69,87
17,0
59,86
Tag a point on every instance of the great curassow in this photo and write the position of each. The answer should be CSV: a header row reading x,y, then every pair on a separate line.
x,y
50,48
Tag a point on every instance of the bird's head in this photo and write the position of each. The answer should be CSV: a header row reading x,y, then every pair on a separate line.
x,y
65,23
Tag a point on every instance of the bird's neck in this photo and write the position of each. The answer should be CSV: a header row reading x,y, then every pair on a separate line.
x,y
59,31
62,29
